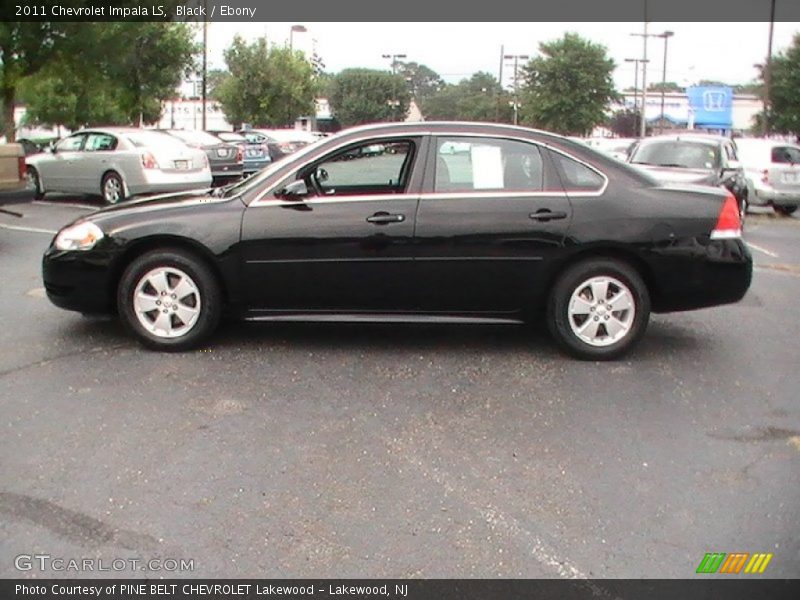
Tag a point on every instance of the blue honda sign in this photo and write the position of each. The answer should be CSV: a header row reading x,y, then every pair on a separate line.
x,y
711,106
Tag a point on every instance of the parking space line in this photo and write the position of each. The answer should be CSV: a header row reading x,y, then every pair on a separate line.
x,y
70,204
764,250
28,229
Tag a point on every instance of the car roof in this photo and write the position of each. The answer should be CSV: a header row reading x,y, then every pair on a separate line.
x,y
764,142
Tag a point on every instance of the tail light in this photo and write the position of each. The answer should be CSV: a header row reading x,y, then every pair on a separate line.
x,y
729,222
286,147
22,168
765,176
239,154
149,161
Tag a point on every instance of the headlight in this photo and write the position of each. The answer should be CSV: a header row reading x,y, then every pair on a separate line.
x,y
82,236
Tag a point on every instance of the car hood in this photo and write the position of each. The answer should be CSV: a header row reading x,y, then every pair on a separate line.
x,y
191,200
679,175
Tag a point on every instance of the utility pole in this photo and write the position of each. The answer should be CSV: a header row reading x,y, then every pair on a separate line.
x,y
204,85
768,75
636,62
500,87
516,58
666,35
644,36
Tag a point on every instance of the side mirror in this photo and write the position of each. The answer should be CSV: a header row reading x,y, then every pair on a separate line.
x,y
52,147
297,190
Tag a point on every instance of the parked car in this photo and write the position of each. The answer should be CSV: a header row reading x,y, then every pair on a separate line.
x,y
116,163
618,148
226,160
693,158
771,172
256,155
525,226
14,182
280,142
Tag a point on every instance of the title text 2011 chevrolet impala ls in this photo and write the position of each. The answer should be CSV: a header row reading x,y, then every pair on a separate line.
x,y
438,220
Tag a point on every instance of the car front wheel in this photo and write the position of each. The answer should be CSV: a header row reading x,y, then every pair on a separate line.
x,y
169,299
785,210
598,309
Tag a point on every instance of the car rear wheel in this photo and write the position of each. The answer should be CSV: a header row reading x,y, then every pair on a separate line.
x,y
598,309
785,210
112,188
169,299
35,183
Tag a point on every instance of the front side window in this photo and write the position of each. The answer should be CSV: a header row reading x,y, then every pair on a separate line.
x,y
97,142
72,143
378,167
478,164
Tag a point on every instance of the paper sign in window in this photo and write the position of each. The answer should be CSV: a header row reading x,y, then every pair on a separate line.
x,y
487,167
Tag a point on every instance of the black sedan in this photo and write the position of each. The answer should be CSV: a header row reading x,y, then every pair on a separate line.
x,y
449,222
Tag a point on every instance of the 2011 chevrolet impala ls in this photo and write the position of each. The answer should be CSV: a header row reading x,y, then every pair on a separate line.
x,y
442,221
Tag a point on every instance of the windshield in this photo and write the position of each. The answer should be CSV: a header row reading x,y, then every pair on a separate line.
x,y
195,137
677,153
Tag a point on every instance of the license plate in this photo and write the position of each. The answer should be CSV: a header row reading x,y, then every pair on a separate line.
x,y
253,152
182,165
222,153
791,177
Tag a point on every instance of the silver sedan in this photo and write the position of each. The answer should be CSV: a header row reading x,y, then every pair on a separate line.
x,y
117,163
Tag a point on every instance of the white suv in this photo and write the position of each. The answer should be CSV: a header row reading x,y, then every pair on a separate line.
x,y
772,173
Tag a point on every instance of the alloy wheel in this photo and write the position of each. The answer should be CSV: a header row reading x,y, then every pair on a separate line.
x,y
167,302
601,311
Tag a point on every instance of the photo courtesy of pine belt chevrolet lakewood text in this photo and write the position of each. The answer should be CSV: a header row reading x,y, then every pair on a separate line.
x,y
410,222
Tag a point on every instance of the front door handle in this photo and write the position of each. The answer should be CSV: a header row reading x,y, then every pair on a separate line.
x,y
545,214
384,218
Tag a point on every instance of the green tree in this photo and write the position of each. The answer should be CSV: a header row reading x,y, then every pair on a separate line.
x,y
479,98
265,85
669,86
784,103
567,88
366,96
25,48
422,81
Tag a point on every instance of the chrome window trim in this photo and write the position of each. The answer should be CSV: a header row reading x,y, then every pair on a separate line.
x,y
260,201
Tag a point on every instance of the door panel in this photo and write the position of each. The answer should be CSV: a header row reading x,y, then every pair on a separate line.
x,y
347,246
494,215
58,172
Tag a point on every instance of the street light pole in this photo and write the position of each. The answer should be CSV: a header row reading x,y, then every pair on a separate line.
x,y
516,58
636,62
204,85
393,64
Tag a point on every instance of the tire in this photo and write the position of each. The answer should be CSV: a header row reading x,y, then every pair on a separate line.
x,y
35,182
785,211
190,318
112,188
573,292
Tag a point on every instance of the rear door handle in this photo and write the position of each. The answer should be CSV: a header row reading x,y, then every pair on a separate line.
x,y
545,214
384,218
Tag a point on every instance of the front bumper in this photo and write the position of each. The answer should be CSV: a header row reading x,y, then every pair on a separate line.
x,y
79,281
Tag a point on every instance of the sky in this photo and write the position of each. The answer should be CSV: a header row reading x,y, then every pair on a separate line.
x,y
717,51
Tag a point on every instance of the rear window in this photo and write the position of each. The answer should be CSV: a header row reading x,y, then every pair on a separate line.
x,y
227,136
196,137
679,154
153,139
786,155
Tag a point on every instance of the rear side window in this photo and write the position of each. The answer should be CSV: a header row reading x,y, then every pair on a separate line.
x,y
786,154
487,164
577,176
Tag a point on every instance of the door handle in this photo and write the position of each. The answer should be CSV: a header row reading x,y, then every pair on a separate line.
x,y
545,214
384,218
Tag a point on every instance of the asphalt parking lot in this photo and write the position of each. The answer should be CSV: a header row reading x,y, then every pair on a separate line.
x,y
399,451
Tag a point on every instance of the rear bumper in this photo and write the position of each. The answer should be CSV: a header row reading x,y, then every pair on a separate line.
x,y
773,196
251,166
16,194
158,182
717,273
